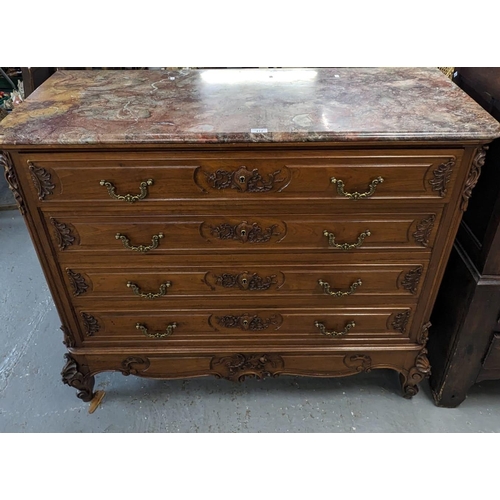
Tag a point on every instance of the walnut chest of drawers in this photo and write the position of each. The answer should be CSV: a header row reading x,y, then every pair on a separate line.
x,y
244,222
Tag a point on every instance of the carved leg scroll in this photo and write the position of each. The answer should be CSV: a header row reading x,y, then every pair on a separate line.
x,y
72,376
416,374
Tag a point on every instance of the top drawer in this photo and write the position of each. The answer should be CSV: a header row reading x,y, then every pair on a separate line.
x,y
345,177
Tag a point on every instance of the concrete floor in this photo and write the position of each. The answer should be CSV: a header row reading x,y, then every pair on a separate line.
x,y
33,398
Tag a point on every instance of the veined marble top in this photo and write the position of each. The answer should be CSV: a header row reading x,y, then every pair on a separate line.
x,y
246,105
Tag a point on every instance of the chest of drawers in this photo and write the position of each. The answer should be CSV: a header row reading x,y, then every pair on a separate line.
x,y
244,223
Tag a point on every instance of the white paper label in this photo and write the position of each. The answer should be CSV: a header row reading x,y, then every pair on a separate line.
x,y
258,130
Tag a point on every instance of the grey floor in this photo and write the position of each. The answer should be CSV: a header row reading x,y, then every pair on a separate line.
x,y
33,398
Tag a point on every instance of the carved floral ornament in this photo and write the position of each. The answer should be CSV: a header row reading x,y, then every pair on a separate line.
x,y
245,180
64,234
42,180
243,281
411,279
474,173
78,282
442,176
423,232
11,178
245,232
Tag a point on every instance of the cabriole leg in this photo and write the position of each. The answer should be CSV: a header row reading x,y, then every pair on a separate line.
x,y
421,370
72,376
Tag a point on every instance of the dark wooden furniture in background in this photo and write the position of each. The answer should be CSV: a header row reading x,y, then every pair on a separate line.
x,y
464,347
34,77
245,222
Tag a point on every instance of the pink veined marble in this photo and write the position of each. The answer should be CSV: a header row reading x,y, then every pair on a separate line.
x,y
242,106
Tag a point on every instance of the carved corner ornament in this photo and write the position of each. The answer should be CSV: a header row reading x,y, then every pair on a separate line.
x,y
238,366
64,234
424,228
11,178
417,373
42,181
424,334
442,176
411,279
78,282
474,173
69,340
90,324
72,376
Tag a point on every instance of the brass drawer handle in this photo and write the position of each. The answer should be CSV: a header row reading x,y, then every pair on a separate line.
x,y
157,335
357,196
333,333
346,246
155,239
128,197
150,295
339,293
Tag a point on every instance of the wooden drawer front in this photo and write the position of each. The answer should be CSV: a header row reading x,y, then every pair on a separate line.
x,y
228,325
159,287
71,233
62,178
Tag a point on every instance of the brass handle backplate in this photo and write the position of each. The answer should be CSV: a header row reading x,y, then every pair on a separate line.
x,y
346,246
128,197
333,333
157,335
357,196
150,295
155,239
339,293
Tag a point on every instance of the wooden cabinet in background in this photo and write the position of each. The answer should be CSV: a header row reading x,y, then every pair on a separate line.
x,y
464,347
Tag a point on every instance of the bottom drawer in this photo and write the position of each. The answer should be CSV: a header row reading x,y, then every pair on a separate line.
x,y
190,327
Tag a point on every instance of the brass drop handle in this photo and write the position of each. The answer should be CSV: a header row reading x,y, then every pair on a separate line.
x,y
150,295
128,197
157,335
155,239
339,293
333,333
357,196
346,246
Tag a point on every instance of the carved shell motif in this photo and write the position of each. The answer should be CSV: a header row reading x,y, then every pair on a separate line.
x,y
416,374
